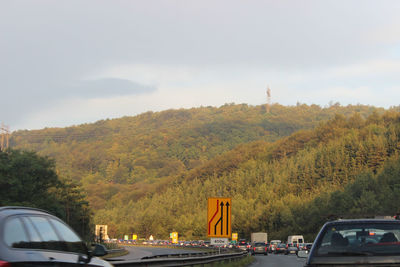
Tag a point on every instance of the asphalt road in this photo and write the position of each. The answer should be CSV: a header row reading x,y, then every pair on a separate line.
x,y
272,260
279,260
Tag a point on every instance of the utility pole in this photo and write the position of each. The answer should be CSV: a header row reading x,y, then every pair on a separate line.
x,y
268,99
5,136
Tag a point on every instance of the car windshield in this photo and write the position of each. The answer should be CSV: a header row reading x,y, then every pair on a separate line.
x,y
259,244
359,239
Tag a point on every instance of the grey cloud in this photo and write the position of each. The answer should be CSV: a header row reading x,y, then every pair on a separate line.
x,y
107,87
26,96
45,45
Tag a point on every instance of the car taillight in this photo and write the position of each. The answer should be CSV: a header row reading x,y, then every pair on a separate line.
x,y
4,264
254,249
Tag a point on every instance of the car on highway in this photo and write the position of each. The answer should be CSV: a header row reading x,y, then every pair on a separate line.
x,y
259,248
34,237
280,248
244,245
272,245
355,242
291,248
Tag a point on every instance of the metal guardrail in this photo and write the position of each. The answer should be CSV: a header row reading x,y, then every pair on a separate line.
x,y
170,260
115,250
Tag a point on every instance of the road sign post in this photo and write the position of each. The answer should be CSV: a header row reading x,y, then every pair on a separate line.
x,y
219,217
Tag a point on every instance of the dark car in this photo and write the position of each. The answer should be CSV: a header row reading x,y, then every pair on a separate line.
x,y
291,248
243,245
280,248
273,244
259,248
366,242
33,237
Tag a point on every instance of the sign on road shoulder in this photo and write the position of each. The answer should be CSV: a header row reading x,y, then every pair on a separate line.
x,y
219,241
219,217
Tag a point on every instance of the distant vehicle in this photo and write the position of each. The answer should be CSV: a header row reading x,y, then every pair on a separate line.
x,y
307,246
259,248
232,244
206,243
280,248
34,237
273,244
370,242
295,239
301,246
291,248
243,245
259,237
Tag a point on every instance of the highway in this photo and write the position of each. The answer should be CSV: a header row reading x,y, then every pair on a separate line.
x,y
272,260
278,260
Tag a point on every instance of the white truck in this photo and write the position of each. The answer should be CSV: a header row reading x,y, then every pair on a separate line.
x,y
259,237
295,239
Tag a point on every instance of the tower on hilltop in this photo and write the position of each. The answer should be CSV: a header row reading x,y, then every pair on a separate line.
x,y
268,107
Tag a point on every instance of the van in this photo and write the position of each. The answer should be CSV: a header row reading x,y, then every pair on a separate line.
x,y
295,239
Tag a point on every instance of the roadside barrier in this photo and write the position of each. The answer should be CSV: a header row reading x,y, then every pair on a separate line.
x,y
186,259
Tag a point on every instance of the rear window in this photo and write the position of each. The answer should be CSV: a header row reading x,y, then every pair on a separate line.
x,y
259,244
14,233
41,232
359,239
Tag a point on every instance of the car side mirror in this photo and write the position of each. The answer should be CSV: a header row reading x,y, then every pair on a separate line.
x,y
302,254
99,250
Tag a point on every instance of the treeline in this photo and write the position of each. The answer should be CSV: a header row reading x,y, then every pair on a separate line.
x,y
368,196
152,173
27,179
287,187
141,155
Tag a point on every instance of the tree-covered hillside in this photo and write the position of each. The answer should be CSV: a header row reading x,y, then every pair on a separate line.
x,y
152,173
278,187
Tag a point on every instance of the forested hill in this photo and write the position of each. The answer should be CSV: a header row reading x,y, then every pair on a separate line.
x,y
138,154
153,145
344,167
140,158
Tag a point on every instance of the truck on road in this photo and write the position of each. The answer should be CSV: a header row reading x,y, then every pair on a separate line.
x,y
259,237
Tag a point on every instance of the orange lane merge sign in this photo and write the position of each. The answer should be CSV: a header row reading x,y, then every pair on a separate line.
x,y
219,217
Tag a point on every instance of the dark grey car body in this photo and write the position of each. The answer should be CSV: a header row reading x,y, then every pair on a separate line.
x,y
358,242
33,237
259,248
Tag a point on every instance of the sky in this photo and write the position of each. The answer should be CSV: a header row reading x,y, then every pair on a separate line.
x,y
65,63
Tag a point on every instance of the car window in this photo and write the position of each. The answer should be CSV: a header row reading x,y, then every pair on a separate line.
x,y
14,233
33,234
360,239
65,232
44,228
72,242
42,234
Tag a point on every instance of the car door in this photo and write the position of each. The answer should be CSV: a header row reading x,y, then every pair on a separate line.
x,y
35,240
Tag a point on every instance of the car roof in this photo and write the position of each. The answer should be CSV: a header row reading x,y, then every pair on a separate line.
x,y
351,221
14,210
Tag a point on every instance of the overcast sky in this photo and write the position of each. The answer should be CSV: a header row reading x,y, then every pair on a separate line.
x,y
65,63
